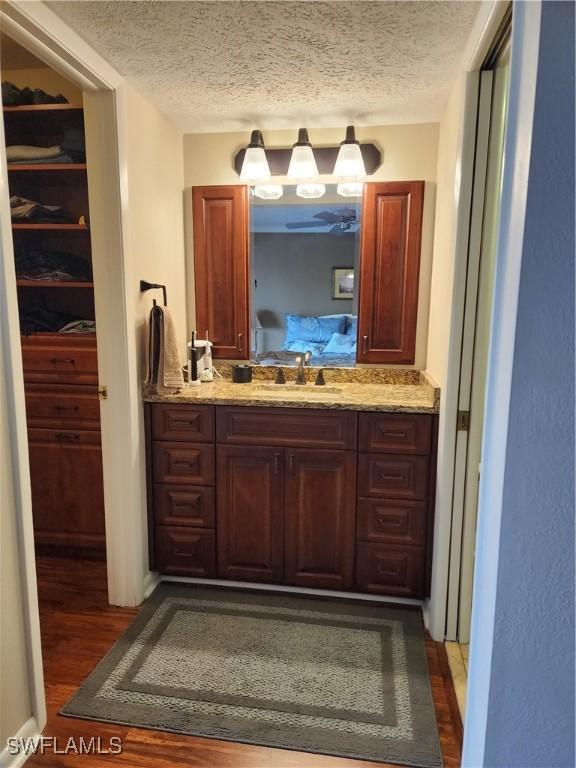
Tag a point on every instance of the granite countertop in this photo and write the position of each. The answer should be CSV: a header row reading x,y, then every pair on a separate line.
x,y
418,396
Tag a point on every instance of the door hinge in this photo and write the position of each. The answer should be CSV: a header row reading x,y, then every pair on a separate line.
x,y
463,423
103,393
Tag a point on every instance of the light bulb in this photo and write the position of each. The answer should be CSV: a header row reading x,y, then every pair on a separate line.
x,y
350,189
269,191
302,161
255,164
350,163
310,190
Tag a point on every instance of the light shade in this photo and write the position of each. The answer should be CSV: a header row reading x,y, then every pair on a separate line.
x,y
310,190
269,191
302,161
255,164
350,163
350,189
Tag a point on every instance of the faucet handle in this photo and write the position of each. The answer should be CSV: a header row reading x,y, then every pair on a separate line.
x,y
320,378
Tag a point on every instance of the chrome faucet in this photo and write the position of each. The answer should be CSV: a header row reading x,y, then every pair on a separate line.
x,y
302,360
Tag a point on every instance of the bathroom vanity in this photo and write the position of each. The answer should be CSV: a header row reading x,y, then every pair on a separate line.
x,y
326,488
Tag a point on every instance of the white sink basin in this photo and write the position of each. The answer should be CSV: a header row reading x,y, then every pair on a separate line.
x,y
304,389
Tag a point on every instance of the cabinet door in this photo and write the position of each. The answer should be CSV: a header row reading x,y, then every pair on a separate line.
x,y
220,221
250,513
389,271
320,518
67,487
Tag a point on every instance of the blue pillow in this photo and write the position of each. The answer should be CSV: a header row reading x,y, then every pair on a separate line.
x,y
341,344
300,345
312,328
352,326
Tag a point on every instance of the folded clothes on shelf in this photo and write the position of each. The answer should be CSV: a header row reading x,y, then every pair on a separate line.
x,y
12,96
22,209
42,320
42,264
25,153
71,150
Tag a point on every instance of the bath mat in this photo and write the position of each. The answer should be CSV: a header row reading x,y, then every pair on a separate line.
x,y
332,677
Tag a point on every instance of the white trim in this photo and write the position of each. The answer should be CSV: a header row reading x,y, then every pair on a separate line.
x,y
483,33
290,590
518,147
11,351
29,731
151,581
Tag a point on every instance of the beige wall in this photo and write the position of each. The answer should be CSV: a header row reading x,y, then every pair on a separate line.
x,y
46,79
409,152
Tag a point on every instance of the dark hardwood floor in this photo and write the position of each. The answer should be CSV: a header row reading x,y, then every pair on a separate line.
x,y
79,627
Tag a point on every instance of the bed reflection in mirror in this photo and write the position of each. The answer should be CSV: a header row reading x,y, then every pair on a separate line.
x,y
304,257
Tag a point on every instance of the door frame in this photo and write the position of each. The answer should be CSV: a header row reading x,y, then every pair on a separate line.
x,y
41,31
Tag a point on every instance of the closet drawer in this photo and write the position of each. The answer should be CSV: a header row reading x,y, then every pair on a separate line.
x,y
399,522
183,463
394,477
191,423
185,551
62,406
180,505
390,570
395,433
286,427
62,363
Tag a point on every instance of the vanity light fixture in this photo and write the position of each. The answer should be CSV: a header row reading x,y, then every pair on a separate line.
x,y
350,163
302,161
269,191
255,165
350,189
310,191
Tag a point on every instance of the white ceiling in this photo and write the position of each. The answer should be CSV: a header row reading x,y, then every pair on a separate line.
x,y
231,65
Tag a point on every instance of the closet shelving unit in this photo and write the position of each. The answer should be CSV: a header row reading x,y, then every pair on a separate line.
x,y
60,370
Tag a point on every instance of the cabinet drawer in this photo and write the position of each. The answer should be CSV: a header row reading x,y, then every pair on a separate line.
x,y
399,522
394,477
180,505
185,551
286,427
62,406
63,364
390,570
192,423
395,432
183,463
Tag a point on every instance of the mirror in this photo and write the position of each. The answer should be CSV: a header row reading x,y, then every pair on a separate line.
x,y
304,259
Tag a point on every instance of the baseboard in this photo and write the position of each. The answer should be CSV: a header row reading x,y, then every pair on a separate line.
x,y
29,730
151,581
328,593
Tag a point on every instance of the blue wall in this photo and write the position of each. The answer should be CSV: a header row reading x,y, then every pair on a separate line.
x,y
531,702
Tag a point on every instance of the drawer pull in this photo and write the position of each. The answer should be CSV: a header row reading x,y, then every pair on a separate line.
x,y
183,464
394,433
67,437
291,463
182,507
365,344
276,463
392,478
239,345
63,360
66,408
183,553
182,423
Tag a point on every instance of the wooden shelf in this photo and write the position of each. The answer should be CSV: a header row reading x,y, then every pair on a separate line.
x,y
23,283
44,167
40,108
51,227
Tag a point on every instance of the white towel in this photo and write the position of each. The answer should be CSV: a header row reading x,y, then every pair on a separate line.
x,y
164,363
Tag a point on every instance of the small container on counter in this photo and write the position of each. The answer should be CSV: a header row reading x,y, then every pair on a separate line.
x,y
241,374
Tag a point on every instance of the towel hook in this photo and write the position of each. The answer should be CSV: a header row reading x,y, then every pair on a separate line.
x,y
146,286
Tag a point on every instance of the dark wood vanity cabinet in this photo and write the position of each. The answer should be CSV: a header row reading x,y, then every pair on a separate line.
x,y
389,271
310,498
220,223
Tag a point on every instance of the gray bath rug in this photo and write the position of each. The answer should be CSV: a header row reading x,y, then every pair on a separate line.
x,y
337,678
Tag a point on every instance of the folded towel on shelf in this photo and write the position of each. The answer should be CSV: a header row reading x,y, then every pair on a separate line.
x,y
22,209
164,369
18,153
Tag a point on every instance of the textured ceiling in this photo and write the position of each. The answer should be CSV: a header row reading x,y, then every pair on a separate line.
x,y
230,65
